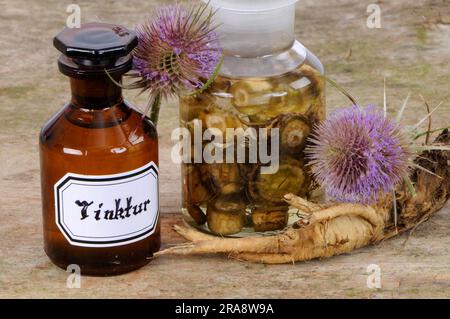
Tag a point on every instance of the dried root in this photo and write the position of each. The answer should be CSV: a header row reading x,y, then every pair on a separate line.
x,y
333,229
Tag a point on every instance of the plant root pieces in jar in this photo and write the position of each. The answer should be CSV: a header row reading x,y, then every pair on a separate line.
x,y
292,103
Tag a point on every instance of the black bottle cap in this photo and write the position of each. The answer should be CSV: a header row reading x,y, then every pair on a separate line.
x,y
94,47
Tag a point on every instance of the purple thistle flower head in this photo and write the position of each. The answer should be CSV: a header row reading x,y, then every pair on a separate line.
x,y
357,154
177,51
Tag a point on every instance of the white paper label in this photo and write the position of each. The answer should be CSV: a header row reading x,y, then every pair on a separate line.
x,y
108,210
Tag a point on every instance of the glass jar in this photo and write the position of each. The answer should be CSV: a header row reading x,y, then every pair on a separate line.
x,y
248,130
99,158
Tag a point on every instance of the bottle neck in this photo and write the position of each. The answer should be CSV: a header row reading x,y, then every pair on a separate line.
x,y
97,92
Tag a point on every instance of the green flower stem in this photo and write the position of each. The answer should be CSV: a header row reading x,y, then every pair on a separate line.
x,y
210,80
154,109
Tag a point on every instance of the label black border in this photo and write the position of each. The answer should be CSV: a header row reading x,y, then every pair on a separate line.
x,y
62,221
106,179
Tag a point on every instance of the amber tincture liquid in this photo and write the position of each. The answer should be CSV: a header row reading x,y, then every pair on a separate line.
x,y
99,161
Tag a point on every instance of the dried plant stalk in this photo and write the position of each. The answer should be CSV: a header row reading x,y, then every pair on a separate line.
x,y
333,229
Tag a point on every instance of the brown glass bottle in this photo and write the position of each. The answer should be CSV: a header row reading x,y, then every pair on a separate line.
x,y
97,154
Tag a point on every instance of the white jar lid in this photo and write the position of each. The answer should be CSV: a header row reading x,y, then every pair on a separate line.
x,y
250,5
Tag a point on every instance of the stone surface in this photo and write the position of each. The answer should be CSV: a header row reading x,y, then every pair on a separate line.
x,y
410,49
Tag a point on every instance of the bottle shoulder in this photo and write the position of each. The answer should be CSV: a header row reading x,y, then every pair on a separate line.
x,y
275,64
120,129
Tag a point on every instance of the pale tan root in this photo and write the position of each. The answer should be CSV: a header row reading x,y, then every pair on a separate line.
x,y
340,235
368,213
321,238
302,204
264,244
320,213
264,258
192,234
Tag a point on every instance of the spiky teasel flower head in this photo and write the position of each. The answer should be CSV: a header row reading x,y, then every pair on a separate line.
x,y
357,154
177,52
